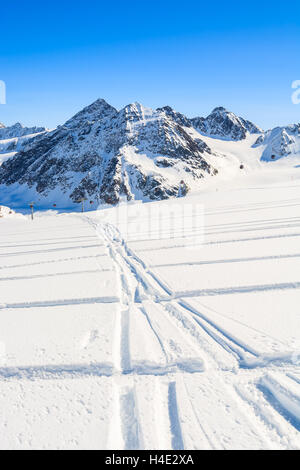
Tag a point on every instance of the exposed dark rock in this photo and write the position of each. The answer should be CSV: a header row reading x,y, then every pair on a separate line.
x,y
100,153
225,125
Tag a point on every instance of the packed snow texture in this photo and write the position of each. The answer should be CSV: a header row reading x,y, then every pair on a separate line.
x,y
117,335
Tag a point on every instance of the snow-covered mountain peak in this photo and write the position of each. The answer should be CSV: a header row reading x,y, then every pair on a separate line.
x,y
175,116
18,130
220,109
280,142
15,138
17,125
105,155
220,113
225,125
137,153
96,111
136,112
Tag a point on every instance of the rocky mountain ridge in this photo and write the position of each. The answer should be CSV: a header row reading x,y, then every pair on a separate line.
x,y
105,155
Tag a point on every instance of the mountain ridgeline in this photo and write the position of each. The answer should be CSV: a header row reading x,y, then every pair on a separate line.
x,y
106,155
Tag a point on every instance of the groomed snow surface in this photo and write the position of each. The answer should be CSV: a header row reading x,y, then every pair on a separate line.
x,y
131,339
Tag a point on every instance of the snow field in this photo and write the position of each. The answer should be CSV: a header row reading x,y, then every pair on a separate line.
x,y
111,342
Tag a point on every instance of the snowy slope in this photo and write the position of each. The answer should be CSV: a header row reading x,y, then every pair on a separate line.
x,y
8,212
121,331
280,142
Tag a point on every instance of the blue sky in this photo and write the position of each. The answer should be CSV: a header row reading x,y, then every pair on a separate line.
x,y
57,57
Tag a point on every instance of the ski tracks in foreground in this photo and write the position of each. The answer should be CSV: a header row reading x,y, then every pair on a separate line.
x,y
176,372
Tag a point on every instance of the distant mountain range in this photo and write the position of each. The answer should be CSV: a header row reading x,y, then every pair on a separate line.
x,y
106,155
14,138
